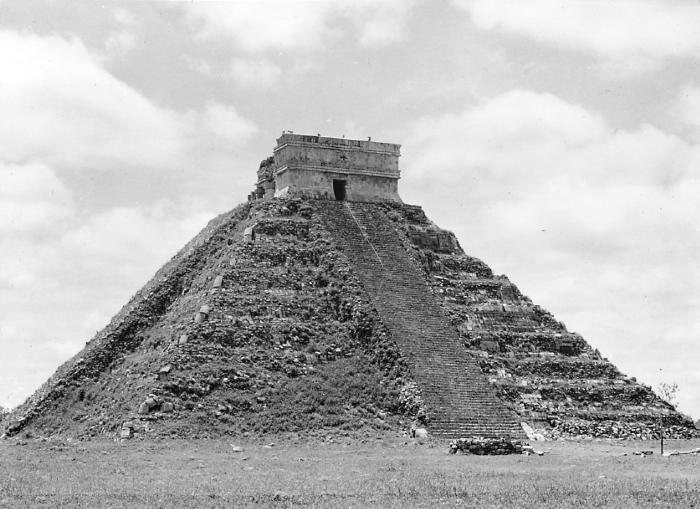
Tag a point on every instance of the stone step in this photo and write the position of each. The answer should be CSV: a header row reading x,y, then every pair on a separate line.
x,y
458,397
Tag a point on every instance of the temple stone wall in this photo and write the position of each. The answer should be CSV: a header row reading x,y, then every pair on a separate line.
x,y
319,185
318,152
321,167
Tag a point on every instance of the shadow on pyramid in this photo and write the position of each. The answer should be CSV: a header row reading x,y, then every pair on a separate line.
x,y
325,304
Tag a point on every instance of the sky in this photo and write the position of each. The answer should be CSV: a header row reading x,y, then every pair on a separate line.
x,y
558,139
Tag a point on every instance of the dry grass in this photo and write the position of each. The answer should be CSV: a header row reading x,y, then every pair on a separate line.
x,y
378,473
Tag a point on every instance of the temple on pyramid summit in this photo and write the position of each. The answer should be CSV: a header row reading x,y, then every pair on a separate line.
x,y
324,304
323,168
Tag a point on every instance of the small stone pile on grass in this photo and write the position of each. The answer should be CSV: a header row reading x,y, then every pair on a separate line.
x,y
486,446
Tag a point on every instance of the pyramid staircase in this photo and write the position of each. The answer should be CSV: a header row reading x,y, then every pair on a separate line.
x,y
459,399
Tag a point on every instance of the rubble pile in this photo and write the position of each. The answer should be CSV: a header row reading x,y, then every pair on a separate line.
x,y
486,446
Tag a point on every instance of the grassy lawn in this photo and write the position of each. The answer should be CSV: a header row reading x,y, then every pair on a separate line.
x,y
377,473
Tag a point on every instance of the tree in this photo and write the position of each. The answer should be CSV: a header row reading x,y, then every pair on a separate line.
x,y
668,392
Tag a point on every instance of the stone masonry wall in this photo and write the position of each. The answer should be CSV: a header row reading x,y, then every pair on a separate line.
x,y
318,185
305,166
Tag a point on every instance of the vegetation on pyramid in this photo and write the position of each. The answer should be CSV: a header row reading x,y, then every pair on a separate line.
x,y
326,304
235,335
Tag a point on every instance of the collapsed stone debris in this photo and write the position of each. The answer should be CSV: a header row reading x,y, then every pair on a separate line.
x,y
694,452
488,446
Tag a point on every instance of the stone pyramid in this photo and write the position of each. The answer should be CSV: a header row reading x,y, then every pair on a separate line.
x,y
325,303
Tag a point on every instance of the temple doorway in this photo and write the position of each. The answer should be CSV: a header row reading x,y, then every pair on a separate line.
x,y
339,189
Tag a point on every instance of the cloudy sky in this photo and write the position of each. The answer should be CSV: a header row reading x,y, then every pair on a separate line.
x,y
559,139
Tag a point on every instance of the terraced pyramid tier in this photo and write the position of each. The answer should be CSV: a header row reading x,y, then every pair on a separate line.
x,y
553,378
310,316
236,334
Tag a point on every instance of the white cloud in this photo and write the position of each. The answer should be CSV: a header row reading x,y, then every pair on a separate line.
x,y
221,125
257,26
293,25
378,21
689,106
123,40
117,244
640,31
200,66
125,17
56,293
65,267
256,73
32,199
120,42
60,107
606,223
520,127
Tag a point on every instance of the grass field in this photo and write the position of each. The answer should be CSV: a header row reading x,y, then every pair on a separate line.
x,y
377,473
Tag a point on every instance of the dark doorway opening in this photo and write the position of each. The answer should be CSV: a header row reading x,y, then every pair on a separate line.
x,y
339,189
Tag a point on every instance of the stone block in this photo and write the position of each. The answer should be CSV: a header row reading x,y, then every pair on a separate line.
x,y
490,346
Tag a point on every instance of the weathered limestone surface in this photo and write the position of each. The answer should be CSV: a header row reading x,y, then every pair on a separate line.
x,y
272,334
551,377
320,167
458,398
